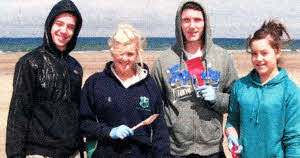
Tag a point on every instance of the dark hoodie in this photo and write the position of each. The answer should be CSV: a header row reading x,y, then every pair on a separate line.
x,y
43,114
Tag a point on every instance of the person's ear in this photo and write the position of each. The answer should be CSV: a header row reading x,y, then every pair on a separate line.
x,y
278,53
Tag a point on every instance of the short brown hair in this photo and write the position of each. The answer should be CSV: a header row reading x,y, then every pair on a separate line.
x,y
191,5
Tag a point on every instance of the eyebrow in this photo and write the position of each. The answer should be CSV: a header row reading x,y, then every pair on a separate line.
x,y
73,25
264,50
61,21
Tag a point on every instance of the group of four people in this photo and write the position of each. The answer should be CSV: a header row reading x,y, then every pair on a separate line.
x,y
191,86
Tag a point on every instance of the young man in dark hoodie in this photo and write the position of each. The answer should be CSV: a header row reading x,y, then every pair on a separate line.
x,y
43,115
195,77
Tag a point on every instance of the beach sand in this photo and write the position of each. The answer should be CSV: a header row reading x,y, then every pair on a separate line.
x,y
94,61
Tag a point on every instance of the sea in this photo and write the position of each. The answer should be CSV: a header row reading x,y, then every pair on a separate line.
x,y
10,45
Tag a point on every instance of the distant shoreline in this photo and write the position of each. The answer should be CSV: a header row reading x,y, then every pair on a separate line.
x,y
99,44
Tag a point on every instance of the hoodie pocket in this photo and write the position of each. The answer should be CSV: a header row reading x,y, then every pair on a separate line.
x,y
41,122
209,131
182,129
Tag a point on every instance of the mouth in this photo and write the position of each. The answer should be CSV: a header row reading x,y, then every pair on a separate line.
x,y
124,65
193,32
260,65
61,38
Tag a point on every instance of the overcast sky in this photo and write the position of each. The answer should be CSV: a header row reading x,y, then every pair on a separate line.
x,y
156,18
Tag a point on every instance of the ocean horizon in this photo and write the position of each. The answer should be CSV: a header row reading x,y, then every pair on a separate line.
x,y
100,43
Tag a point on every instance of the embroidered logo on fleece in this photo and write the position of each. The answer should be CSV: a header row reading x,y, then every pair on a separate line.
x,y
144,104
76,72
109,99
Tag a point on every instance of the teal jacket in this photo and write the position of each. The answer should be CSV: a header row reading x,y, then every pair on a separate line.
x,y
266,116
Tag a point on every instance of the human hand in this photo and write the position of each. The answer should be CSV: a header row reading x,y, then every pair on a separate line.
x,y
121,132
233,142
208,93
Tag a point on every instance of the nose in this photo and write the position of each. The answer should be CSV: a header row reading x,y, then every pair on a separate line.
x,y
259,57
63,29
192,24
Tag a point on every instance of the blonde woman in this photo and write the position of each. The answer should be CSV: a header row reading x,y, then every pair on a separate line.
x,y
123,95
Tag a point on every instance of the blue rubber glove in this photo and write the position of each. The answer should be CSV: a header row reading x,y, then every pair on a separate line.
x,y
208,93
233,141
121,132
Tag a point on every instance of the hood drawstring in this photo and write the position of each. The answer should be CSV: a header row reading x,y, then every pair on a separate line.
x,y
206,67
252,113
258,107
181,59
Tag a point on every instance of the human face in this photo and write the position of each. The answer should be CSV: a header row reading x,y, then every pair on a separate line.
x,y
192,24
264,58
124,57
62,30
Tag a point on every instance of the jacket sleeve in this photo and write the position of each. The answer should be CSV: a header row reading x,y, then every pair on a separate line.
x,y
233,118
156,73
19,110
76,73
160,138
291,138
91,126
222,97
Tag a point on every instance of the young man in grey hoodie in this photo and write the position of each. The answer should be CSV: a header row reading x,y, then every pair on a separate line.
x,y
195,77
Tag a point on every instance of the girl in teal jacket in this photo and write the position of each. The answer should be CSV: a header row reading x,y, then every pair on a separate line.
x,y
264,110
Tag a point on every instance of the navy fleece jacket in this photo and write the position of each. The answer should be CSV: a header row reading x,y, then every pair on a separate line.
x,y
105,99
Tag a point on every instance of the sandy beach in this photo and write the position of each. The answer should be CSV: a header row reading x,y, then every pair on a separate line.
x,y
94,61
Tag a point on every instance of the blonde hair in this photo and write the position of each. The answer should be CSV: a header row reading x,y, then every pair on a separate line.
x,y
125,35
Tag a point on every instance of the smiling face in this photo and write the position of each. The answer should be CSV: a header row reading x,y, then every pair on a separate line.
x,y
62,30
264,58
124,58
192,24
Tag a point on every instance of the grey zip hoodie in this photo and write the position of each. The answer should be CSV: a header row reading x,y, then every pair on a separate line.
x,y
195,126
